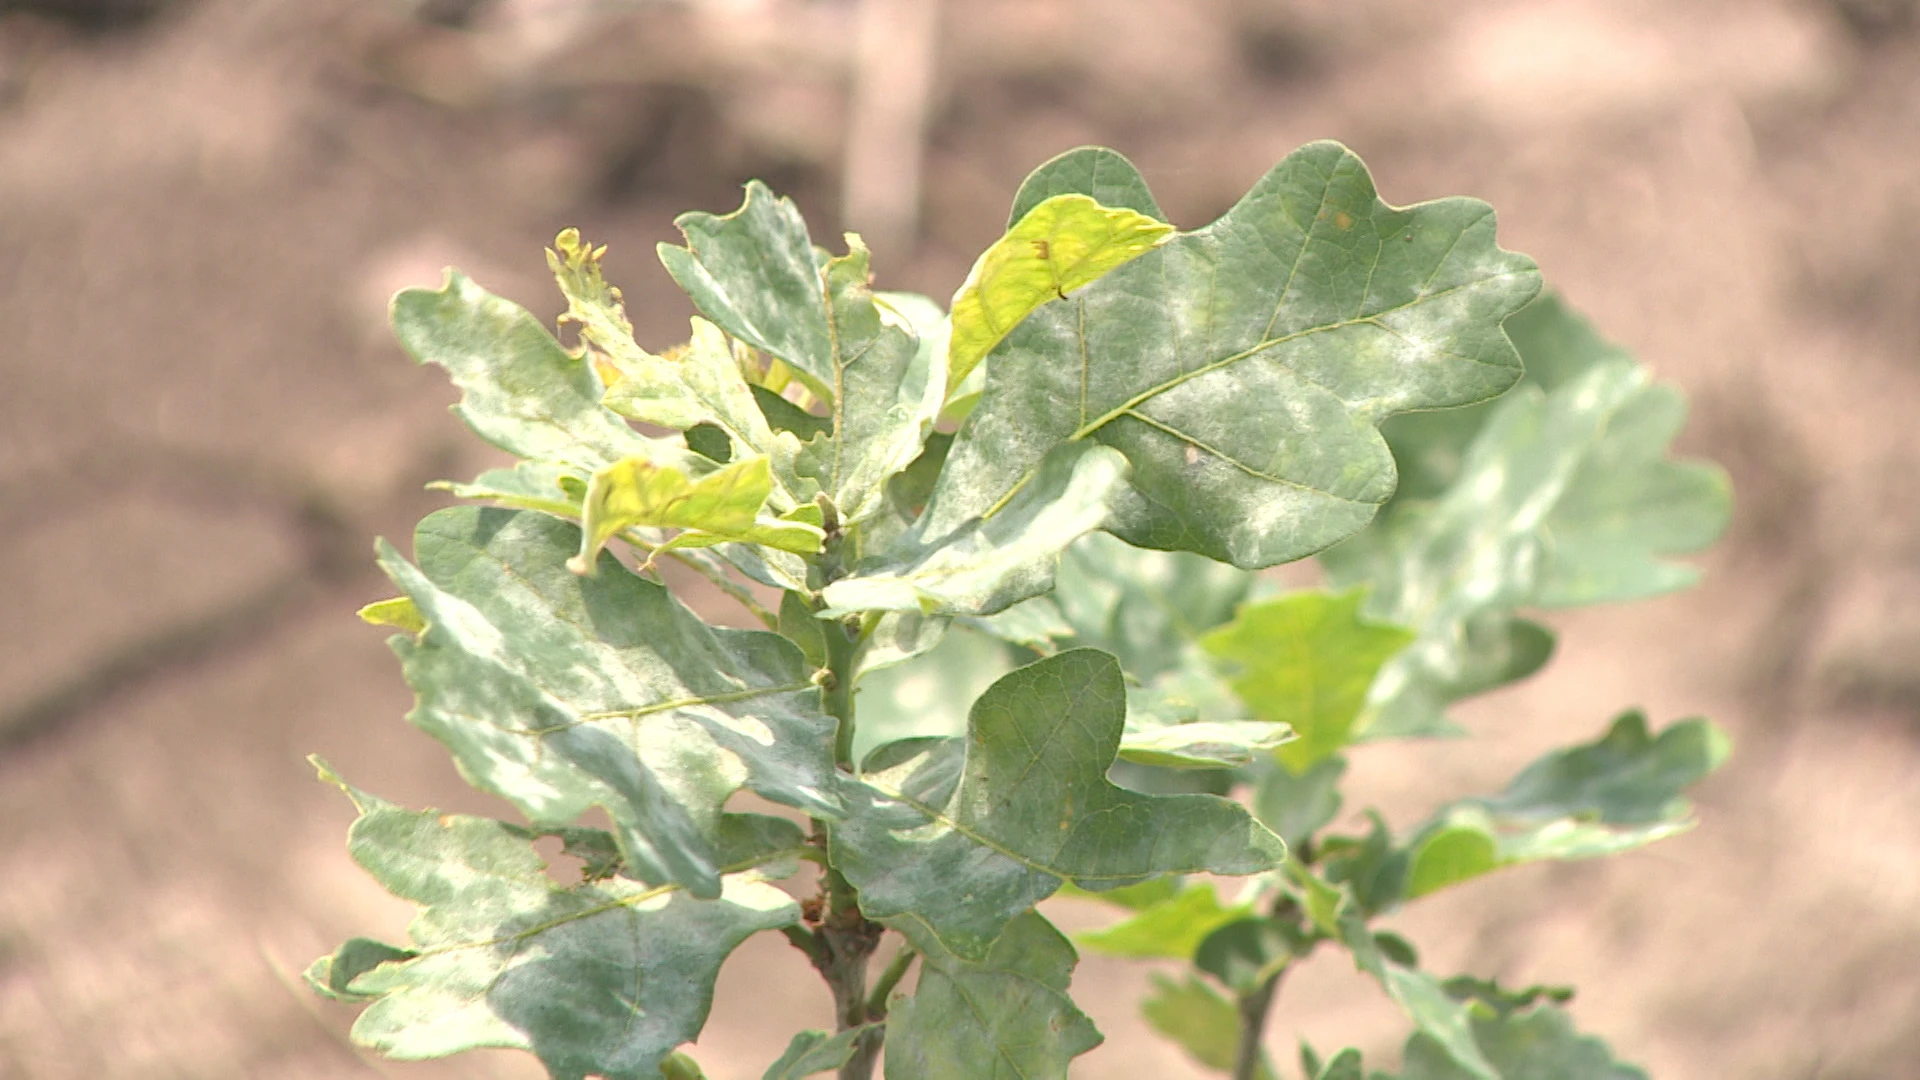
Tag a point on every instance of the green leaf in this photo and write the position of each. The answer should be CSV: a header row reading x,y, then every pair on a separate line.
x,y
929,697
1344,1066
1203,1023
330,976
755,274
559,693
1143,606
1540,1043
1297,806
679,1066
813,1052
1094,171
1064,243
603,978
982,567
1442,1020
530,485
1198,744
1306,660
722,505
1005,1016
521,391
1561,493
1243,368
1033,809
1618,793
1246,953
1173,927
398,613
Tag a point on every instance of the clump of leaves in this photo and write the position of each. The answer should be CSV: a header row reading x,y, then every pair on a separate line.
x,y
1013,642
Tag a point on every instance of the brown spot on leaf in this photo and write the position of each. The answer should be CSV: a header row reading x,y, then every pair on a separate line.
x,y
1342,220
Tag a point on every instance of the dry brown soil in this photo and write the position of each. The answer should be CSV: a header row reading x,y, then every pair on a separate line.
x,y
203,424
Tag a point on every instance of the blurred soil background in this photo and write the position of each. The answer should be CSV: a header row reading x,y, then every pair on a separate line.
x,y
205,204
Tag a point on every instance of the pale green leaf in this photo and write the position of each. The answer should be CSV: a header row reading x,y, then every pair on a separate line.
x,y
1173,927
982,567
560,693
1094,171
1065,243
720,506
1203,1023
1306,660
1618,793
521,391
529,485
813,1052
1560,493
600,979
754,272
1198,744
1243,368
929,697
1143,606
1004,1016
1033,809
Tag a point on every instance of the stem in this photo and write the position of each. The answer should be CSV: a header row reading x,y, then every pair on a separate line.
x,y
842,650
890,978
730,587
1254,1007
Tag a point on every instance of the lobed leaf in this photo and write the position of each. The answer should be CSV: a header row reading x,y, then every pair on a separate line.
x,y
559,693
1542,1042
1203,1023
1064,243
1618,793
986,566
1172,927
1032,809
1306,660
1004,1016
754,272
1103,174
600,979
814,1052
1243,368
723,505
520,391
1145,607
1560,493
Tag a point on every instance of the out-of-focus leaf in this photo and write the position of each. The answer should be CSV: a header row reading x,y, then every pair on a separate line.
x,y
1346,1065
1443,1021
1372,869
813,1052
520,390
679,1066
985,566
1620,792
1173,927
1561,493
1305,659
559,693
1033,809
723,505
1311,301
1005,1016
929,697
1064,243
1202,1022
604,978
755,274
1297,806
1131,897
1246,954
1103,175
1539,1043
1143,606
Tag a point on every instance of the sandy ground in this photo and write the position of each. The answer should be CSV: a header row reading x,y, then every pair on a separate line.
x,y
203,424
